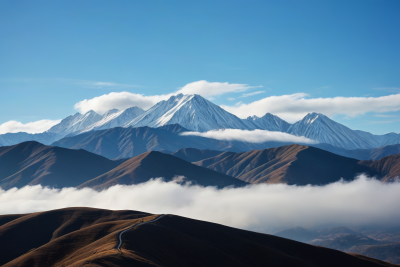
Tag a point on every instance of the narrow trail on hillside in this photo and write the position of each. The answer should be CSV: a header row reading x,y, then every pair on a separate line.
x,y
118,247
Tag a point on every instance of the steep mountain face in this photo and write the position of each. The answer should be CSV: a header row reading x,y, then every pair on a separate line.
x,y
319,127
269,122
293,164
85,236
75,123
155,164
114,118
192,112
31,163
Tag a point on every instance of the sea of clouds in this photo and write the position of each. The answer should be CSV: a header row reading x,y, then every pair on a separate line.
x,y
263,208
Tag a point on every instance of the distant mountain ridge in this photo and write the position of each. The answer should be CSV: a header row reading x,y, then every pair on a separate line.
x,y
32,163
196,113
154,164
292,164
117,143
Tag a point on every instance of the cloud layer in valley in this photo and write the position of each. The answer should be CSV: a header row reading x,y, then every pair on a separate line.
x,y
294,107
30,127
265,208
255,136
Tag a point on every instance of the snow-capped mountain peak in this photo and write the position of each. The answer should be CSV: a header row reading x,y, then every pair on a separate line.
x,y
190,111
321,128
268,122
75,123
114,118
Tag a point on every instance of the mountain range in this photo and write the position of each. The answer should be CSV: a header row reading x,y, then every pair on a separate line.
x,y
90,237
293,164
32,163
195,113
382,245
118,142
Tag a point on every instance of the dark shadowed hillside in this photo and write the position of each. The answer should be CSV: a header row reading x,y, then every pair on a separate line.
x,y
292,164
32,163
155,164
192,154
89,237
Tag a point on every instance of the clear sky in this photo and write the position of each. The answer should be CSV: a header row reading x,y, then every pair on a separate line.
x,y
54,54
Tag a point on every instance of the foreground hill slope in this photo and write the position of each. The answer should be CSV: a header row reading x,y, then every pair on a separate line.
x,y
88,237
32,163
155,164
292,164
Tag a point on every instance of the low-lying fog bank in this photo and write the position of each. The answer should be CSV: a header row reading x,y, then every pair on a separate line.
x,y
264,208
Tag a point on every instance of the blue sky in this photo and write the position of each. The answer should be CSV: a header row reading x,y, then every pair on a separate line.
x,y
54,54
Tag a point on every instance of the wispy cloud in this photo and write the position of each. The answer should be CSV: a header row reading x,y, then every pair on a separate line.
x,y
265,208
390,89
100,84
255,136
206,88
30,127
253,93
385,116
294,107
374,122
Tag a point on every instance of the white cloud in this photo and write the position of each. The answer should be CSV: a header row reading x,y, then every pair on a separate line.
x,y
120,100
123,100
231,98
253,93
255,136
294,107
30,127
205,88
385,116
99,85
265,208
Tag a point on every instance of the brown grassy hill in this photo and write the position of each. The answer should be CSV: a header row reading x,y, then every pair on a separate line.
x,y
32,163
193,154
88,237
388,167
292,164
155,164
35,230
